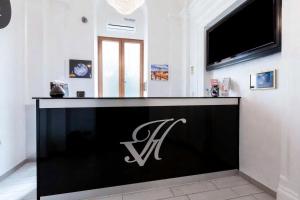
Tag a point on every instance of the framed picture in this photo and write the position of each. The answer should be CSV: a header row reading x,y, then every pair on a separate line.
x,y
159,72
80,69
263,80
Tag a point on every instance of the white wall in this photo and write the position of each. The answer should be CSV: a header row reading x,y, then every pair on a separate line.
x,y
270,131
80,41
289,185
12,110
260,130
165,32
55,35
61,36
159,23
35,69
66,37
108,15
260,123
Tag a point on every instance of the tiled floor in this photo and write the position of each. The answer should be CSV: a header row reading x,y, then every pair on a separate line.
x,y
21,186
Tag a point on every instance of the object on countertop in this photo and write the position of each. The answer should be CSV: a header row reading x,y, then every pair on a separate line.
x,y
58,89
225,87
80,94
215,89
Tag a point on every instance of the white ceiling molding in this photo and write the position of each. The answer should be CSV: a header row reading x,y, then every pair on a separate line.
x,y
206,12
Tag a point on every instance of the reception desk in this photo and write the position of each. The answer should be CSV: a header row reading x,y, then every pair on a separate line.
x,y
89,144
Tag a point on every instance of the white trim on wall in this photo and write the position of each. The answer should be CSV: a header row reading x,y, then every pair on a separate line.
x,y
284,192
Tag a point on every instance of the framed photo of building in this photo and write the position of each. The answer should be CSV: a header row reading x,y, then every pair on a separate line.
x,y
159,72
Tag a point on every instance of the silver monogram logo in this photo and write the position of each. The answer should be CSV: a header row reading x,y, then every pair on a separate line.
x,y
152,143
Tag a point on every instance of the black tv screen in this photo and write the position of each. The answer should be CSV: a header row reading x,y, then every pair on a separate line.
x,y
252,30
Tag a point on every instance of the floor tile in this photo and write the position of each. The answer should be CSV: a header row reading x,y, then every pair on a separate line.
x,y
222,194
31,195
149,195
263,196
228,182
113,197
193,188
28,185
17,195
245,198
20,185
246,190
178,198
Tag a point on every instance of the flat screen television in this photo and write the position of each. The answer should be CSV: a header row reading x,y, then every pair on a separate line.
x,y
251,31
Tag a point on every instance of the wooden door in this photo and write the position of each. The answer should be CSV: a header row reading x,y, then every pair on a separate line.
x,y
121,67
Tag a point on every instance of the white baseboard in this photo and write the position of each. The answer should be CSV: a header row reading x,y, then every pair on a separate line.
x,y
11,171
285,193
261,186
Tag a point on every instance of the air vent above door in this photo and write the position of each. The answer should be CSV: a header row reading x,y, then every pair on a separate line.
x,y
120,28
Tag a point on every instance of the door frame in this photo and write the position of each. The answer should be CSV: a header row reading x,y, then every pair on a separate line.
x,y
121,64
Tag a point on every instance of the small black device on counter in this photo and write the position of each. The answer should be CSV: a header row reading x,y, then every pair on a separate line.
x,y
80,94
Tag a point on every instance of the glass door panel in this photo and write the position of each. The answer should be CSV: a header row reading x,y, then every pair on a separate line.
x,y
110,69
132,69
121,66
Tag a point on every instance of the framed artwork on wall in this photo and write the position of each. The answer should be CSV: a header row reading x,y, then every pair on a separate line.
x,y
159,72
80,68
263,80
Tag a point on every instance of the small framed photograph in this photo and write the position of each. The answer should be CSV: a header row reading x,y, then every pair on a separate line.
x,y
263,80
159,72
80,69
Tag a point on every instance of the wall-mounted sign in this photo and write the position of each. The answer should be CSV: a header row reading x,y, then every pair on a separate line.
x,y
152,144
5,13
